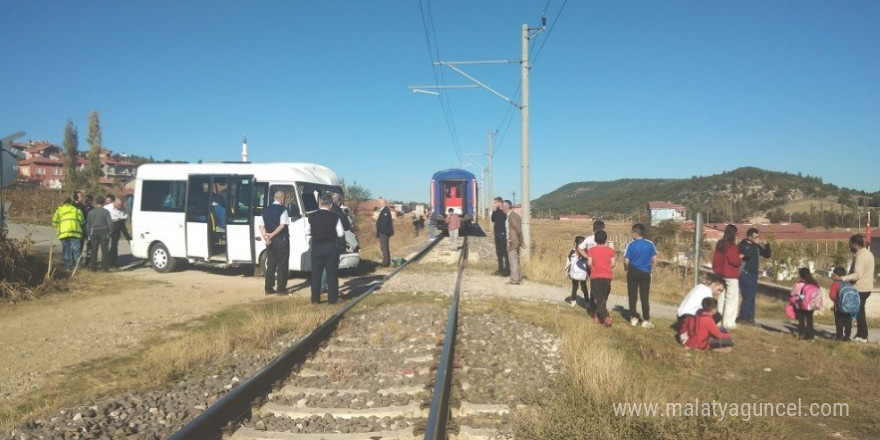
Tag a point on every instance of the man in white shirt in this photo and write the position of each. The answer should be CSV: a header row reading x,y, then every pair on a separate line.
x,y
119,217
693,301
590,241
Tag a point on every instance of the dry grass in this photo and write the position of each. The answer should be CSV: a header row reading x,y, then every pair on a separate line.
x,y
604,366
404,236
190,348
551,242
33,204
808,205
25,274
185,349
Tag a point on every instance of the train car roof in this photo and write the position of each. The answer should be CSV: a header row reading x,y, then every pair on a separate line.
x,y
277,171
454,173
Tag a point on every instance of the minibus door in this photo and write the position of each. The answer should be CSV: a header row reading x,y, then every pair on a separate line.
x,y
198,216
240,219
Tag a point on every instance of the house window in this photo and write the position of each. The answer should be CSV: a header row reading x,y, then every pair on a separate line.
x,y
41,171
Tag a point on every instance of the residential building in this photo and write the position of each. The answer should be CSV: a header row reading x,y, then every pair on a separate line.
x,y
43,164
660,211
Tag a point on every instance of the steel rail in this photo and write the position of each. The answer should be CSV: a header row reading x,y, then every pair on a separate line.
x,y
439,413
237,404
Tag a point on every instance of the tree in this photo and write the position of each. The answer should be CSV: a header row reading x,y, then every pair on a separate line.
x,y
357,192
93,168
71,155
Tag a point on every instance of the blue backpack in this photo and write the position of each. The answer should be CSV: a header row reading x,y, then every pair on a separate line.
x,y
848,300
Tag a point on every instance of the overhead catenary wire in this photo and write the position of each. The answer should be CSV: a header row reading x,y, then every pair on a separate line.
x,y
549,31
508,116
439,77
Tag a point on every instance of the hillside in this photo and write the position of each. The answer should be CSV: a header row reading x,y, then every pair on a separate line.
x,y
737,194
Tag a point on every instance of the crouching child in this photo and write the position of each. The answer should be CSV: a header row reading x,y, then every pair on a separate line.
x,y
693,303
703,332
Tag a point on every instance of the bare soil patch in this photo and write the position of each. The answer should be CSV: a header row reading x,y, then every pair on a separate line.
x,y
113,314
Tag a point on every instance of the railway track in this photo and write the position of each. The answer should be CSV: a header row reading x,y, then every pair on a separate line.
x,y
388,378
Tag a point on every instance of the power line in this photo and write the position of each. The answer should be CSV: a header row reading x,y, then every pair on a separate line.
x,y
509,117
549,31
439,78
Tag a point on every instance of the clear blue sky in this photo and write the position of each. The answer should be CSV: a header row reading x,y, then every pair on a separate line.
x,y
619,89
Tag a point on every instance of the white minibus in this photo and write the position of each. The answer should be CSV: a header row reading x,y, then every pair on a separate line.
x,y
211,213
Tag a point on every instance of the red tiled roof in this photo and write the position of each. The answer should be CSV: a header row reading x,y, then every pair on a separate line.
x,y
774,228
40,161
41,146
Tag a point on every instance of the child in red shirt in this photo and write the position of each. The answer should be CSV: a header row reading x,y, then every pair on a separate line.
x,y
703,333
601,260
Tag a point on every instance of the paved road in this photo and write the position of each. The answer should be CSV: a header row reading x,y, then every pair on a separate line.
x,y
45,237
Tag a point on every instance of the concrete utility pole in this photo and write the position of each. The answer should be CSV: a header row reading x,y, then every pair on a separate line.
x,y
698,238
491,195
8,173
527,34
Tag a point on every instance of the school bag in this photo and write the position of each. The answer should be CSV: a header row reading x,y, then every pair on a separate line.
x,y
848,300
810,298
579,268
688,328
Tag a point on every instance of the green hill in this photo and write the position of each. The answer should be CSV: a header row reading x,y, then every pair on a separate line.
x,y
738,194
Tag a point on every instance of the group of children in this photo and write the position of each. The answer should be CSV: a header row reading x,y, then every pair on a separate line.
x,y
596,261
806,297
698,311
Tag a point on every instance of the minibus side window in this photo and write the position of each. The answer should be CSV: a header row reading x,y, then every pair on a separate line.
x,y
289,198
198,199
261,197
309,194
163,195
239,200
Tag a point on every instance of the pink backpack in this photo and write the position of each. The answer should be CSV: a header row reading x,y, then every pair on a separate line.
x,y
810,298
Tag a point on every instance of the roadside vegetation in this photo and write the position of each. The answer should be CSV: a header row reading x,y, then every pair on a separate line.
x,y
26,274
608,366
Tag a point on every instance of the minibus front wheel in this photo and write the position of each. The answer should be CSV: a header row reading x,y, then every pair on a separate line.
x,y
161,259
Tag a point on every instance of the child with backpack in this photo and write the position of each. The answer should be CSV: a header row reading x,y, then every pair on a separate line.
x,y
846,305
702,331
576,269
806,297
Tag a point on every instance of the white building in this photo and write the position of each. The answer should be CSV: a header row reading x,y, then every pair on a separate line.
x,y
660,211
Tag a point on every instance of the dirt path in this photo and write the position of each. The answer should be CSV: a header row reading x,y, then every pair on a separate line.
x,y
50,334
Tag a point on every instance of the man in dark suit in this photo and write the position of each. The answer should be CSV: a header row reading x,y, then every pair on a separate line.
x,y
384,230
277,238
499,220
325,227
